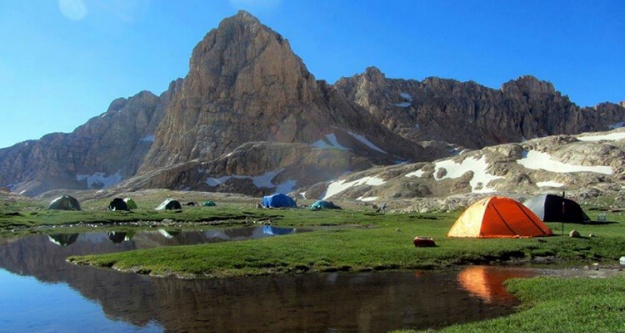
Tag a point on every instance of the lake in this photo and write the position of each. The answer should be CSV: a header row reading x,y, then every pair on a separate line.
x,y
42,293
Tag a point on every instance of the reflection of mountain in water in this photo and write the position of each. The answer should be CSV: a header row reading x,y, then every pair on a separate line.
x,y
373,302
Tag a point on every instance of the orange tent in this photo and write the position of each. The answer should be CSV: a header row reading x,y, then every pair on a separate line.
x,y
487,282
498,217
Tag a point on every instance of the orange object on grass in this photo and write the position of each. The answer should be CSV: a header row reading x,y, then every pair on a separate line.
x,y
498,217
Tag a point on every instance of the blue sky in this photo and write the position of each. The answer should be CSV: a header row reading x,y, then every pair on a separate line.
x,y
63,61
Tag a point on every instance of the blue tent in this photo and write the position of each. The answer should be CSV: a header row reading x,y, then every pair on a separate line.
x,y
278,200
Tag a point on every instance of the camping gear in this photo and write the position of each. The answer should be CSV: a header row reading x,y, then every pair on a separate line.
x,y
322,204
421,241
209,203
118,204
554,208
169,204
278,200
498,217
130,203
65,202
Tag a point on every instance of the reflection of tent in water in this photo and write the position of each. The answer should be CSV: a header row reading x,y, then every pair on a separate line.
x,y
322,204
169,233
169,204
554,208
118,204
487,282
498,217
278,200
130,203
63,239
209,203
269,230
117,236
65,202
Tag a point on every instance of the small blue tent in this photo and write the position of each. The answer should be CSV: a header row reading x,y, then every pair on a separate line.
x,y
322,204
278,200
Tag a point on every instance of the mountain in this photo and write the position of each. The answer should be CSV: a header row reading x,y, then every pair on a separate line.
x,y
103,151
250,118
471,115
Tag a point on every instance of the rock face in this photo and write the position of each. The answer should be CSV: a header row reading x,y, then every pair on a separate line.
x,y
250,118
471,115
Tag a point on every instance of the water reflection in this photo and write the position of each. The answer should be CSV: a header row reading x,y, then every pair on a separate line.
x,y
363,302
487,282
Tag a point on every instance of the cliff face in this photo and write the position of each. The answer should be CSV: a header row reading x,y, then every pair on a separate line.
x,y
471,115
250,118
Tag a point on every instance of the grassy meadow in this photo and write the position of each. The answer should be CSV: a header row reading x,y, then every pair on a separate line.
x,y
359,239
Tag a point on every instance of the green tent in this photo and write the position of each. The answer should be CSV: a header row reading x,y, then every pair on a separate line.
x,y
65,202
322,204
209,203
130,203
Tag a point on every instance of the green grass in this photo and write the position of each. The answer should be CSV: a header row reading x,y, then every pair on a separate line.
x,y
360,241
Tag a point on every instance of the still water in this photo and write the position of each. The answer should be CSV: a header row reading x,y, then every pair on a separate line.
x,y
40,292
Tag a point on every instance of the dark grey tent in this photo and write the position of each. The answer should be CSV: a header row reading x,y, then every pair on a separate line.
x,y
118,204
554,208
65,202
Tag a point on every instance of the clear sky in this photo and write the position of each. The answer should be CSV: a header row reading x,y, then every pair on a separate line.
x,y
63,61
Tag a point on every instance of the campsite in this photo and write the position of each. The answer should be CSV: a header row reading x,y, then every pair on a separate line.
x,y
352,240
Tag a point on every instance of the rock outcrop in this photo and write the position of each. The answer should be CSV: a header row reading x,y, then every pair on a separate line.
x,y
584,165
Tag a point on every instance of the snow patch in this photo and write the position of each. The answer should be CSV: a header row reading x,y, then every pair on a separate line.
x,y
407,100
419,173
262,181
481,178
367,199
149,138
99,180
340,186
329,142
607,137
537,160
366,142
550,183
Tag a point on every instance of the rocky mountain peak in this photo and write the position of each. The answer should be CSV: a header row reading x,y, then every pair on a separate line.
x,y
528,85
245,84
